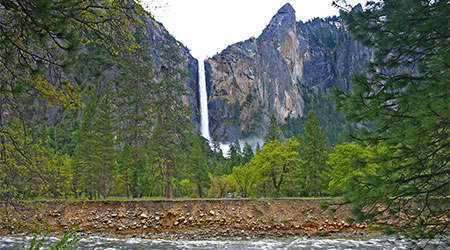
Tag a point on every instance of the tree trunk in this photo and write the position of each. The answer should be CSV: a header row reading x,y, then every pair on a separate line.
x,y
168,178
105,182
56,143
200,191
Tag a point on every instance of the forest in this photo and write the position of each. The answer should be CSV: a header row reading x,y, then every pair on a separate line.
x,y
85,114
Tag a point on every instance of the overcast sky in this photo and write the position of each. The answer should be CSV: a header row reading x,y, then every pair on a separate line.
x,y
207,27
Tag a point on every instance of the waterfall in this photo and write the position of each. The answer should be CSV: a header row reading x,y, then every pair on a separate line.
x,y
204,119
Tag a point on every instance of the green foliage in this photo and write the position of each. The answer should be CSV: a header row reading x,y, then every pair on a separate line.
x,y
172,124
270,172
352,163
95,153
234,156
273,131
29,169
198,167
245,178
67,242
247,153
278,164
332,122
106,139
221,185
314,152
330,37
214,155
39,42
135,85
406,96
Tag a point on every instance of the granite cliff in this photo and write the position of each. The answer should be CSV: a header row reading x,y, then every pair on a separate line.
x,y
91,66
250,81
157,35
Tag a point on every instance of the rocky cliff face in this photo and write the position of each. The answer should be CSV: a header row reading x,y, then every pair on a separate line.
x,y
250,81
157,35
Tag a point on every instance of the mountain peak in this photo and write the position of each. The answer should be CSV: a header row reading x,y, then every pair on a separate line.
x,y
284,15
281,22
287,9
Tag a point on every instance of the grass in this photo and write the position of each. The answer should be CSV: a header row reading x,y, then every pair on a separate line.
x,y
162,198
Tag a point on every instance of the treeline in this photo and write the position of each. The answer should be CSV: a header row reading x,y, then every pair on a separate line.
x,y
125,139
333,123
88,108
96,112
100,110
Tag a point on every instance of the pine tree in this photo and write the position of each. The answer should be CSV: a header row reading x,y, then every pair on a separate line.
x,y
85,166
314,153
170,113
257,149
406,96
217,159
247,153
198,168
135,91
234,156
106,130
38,43
273,131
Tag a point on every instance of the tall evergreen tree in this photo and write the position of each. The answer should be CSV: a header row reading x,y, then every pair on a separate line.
x,y
273,131
106,130
86,171
39,40
247,153
406,95
314,152
198,167
135,91
234,157
217,158
170,113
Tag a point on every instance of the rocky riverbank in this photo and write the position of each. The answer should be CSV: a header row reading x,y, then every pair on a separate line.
x,y
186,218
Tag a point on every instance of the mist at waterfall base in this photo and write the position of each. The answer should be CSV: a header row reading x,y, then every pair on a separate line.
x,y
121,242
252,141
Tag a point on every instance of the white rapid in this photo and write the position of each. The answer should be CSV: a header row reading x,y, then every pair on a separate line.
x,y
204,119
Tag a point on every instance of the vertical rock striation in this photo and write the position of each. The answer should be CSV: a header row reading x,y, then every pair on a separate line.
x,y
250,81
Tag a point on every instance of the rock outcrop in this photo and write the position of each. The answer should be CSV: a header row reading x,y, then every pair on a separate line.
x,y
250,81
157,35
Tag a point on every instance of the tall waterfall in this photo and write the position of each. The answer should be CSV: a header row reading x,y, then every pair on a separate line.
x,y
204,122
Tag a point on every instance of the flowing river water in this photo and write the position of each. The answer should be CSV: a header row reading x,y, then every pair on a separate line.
x,y
111,243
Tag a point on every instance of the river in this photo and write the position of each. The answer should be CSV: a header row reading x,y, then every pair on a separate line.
x,y
109,243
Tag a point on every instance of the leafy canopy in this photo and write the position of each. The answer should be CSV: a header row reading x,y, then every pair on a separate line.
x,y
406,95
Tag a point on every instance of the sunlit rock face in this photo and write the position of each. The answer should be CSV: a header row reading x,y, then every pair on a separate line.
x,y
250,81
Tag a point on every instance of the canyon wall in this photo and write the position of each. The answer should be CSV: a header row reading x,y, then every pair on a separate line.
x,y
251,81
